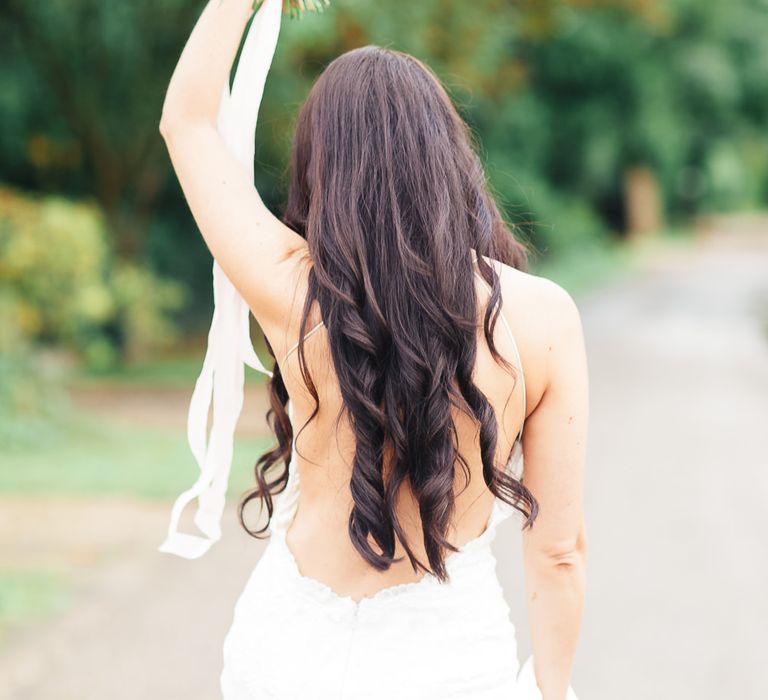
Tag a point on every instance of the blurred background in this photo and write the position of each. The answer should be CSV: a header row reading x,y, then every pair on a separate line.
x,y
626,141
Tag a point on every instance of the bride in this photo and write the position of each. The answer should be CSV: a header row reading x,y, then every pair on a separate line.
x,y
411,349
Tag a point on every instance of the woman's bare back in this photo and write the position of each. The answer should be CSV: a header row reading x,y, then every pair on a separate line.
x,y
318,535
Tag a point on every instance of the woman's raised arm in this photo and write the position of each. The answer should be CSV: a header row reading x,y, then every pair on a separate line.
x,y
253,247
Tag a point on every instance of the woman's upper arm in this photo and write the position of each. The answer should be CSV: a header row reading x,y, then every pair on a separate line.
x,y
256,251
555,434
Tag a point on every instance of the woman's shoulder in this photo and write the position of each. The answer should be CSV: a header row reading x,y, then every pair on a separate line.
x,y
545,320
539,300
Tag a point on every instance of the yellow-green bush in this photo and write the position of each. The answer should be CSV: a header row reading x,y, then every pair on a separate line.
x,y
61,285
53,264
62,289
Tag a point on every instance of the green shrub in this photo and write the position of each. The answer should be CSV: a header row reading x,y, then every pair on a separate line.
x,y
554,223
63,294
61,285
33,403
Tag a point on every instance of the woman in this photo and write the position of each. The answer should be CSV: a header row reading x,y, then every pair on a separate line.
x,y
379,294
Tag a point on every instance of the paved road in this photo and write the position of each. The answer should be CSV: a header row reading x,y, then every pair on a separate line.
x,y
676,494
678,481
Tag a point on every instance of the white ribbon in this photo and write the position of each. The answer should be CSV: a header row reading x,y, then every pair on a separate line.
x,y
222,378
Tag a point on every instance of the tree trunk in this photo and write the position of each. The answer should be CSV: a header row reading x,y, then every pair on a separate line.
x,y
643,207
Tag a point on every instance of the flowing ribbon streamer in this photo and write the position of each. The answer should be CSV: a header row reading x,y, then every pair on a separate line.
x,y
221,381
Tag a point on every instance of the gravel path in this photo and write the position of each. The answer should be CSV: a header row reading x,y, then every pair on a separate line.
x,y
677,484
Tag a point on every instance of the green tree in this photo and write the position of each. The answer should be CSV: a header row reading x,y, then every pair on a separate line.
x,y
95,73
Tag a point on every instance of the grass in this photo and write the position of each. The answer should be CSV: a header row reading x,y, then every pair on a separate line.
x,y
92,456
29,595
96,457
584,270
587,269
170,372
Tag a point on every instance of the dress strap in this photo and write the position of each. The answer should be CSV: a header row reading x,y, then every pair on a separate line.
x,y
296,344
514,345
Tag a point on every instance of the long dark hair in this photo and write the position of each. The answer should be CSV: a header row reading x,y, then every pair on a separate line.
x,y
389,193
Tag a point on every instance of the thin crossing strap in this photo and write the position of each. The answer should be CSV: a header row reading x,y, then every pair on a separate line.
x,y
296,344
514,344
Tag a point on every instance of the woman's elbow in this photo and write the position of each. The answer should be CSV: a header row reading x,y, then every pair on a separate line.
x,y
567,554
172,118
168,125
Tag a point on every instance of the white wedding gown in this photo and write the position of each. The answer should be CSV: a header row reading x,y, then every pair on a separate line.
x,y
291,636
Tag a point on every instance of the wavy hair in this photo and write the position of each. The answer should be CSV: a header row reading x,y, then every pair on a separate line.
x,y
389,193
